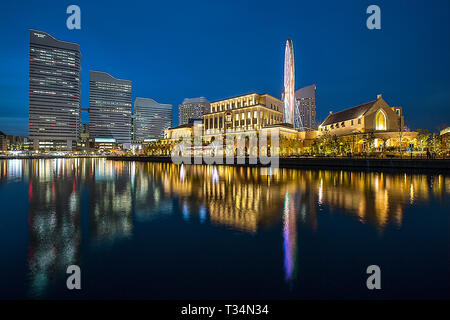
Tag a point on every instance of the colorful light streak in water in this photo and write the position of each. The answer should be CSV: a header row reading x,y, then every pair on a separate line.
x,y
289,239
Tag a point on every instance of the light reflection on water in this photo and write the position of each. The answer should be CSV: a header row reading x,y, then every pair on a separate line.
x,y
121,195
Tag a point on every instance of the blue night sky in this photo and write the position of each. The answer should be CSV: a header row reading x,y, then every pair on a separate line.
x,y
172,50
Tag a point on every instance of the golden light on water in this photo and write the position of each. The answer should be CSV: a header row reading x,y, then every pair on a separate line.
x,y
120,194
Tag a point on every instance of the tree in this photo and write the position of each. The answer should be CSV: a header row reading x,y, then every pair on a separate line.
x,y
423,136
370,140
334,145
345,148
320,143
436,144
284,145
315,147
327,144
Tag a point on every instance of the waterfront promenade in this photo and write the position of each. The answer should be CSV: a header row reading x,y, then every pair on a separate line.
x,y
290,162
323,162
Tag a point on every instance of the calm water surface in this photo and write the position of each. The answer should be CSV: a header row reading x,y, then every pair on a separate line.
x,y
155,231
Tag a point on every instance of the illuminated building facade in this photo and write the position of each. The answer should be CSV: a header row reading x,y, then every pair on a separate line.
x,y
54,92
242,113
305,102
242,116
445,137
192,109
109,108
376,118
181,131
150,119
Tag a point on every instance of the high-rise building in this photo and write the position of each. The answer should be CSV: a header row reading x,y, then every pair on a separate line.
x,y
305,102
109,108
54,92
150,119
192,109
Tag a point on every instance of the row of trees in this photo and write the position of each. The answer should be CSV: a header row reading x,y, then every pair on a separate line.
x,y
331,145
426,142
157,148
432,142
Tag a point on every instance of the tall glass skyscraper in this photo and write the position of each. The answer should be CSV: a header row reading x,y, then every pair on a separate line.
x,y
109,108
192,109
54,92
305,101
151,119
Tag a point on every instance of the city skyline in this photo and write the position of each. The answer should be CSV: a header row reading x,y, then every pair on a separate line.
x,y
231,159
403,75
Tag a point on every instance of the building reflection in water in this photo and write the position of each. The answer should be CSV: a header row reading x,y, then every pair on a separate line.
x,y
119,194
247,199
110,200
54,221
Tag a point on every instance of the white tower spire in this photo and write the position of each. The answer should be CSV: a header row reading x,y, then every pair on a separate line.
x,y
289,83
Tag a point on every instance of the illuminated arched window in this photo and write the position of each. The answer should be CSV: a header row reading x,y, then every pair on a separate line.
x,y
380,120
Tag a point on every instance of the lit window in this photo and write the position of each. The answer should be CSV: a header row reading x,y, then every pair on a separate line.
x,y
380,120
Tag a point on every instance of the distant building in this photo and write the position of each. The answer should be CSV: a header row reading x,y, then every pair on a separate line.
x,y
150,119
105,144
305,101
133,127
16,143
3,142
54,92
109,108
85,139
85,132
192,109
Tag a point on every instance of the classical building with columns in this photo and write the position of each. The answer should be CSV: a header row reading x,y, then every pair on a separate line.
x,y
372,126
243,113
244,116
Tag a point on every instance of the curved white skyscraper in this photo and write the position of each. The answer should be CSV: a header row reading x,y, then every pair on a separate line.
x,y
289,83
150,119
